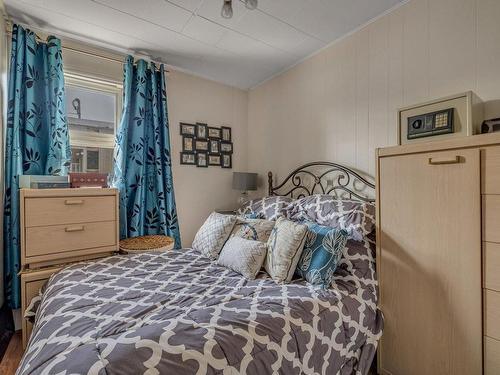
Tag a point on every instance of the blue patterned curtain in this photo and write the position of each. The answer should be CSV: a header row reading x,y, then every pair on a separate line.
x,y
37,140
142,169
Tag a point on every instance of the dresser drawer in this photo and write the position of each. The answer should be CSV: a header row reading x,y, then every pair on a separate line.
x,y
43,241
492,314
62,210
490,165
491,356
31,283
491,218
491,266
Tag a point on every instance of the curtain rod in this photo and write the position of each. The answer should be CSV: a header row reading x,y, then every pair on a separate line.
x,y
108,58
9,25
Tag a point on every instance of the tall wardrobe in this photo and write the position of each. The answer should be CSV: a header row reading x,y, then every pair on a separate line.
x,y
438,256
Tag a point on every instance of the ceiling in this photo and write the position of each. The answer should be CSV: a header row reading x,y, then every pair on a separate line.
x,y
191,34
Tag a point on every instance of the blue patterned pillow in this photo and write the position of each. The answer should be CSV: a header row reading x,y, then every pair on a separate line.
x,y
321,254
252,215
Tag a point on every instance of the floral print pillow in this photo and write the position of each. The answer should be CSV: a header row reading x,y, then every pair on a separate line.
x,y
252,229
321,255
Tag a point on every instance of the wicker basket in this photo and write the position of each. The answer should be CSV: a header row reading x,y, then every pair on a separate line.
x,y
146,243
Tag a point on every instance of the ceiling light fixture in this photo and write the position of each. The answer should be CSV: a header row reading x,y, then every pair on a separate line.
x,y
227,7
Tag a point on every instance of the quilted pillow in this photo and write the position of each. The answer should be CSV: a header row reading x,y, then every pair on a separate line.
x,y
269,208
356,217
243,256
284,248
253,229
213,234
321,255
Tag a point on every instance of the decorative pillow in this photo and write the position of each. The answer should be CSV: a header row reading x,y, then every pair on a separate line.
x,y
284,248
252,215
356,217
269,208
213,234
321,255
243,256
253,229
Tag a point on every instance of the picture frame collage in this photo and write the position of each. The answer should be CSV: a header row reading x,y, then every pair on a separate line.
x,y
205,146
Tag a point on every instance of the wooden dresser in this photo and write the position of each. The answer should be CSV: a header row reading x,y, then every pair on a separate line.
x,y
438,256
60,226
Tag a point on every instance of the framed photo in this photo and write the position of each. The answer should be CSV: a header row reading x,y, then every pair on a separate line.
x,y
214,132
227,161
188,129
226,147
226,133
187,144
214,160
188,158
214,146
201,145
201,160
201,130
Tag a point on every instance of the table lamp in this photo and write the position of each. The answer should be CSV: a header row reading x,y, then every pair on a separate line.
x,y
244,182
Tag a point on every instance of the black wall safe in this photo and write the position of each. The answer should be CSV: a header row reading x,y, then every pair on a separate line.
x,y
429,124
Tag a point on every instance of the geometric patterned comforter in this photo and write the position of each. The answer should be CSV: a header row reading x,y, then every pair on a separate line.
x,y
179,313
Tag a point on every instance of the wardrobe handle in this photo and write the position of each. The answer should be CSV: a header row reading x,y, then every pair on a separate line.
x,y
79,228
73,202
440,161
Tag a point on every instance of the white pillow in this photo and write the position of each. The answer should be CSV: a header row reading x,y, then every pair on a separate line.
x,y
213,234
243,256
284,249
253,229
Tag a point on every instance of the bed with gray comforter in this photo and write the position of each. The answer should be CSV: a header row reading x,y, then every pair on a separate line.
x,y
179,313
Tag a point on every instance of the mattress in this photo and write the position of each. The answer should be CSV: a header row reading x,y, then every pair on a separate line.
x,y
177,312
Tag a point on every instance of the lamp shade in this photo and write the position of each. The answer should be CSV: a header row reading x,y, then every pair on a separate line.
x,y
244,181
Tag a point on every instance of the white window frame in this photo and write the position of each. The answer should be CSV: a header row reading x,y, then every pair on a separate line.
x,y
86,139
85,151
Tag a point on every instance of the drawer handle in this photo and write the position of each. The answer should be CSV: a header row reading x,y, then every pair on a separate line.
x,y
72,202
79,228
440,161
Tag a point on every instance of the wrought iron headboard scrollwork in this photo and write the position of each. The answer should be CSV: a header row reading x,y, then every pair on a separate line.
x,y
324,177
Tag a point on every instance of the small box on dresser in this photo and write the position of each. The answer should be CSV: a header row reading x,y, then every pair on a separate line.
x,y
61,226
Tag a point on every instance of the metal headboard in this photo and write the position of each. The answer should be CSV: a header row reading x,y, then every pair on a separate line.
x,y
323,177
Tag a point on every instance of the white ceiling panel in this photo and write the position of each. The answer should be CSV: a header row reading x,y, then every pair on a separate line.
x,y
253,51
308,46
211,9
324,20
204,30
192,36
190,5
59,24
237,71
159,12
284,10
270,30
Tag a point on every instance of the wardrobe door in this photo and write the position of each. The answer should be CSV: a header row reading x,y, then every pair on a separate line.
x,y
430,263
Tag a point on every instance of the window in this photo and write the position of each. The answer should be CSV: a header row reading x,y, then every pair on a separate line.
x,y
93,109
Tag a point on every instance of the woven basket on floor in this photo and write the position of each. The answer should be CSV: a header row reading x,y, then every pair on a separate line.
x,y
147,243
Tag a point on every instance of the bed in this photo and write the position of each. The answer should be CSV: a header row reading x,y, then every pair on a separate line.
x,y
177,312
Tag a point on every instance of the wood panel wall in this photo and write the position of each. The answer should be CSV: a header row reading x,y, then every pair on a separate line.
x,y
341,103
